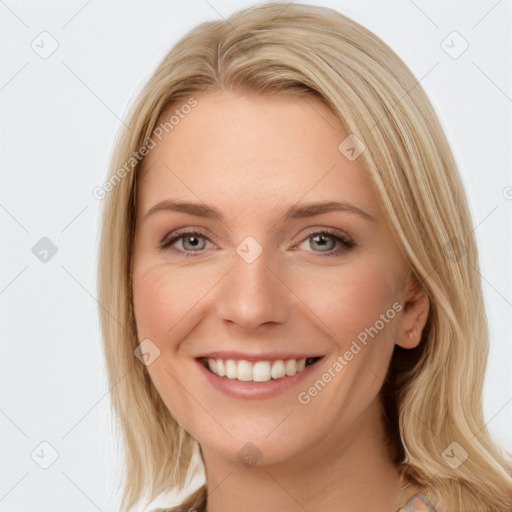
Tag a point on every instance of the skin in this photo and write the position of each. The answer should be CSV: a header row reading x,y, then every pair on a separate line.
x,y
253,156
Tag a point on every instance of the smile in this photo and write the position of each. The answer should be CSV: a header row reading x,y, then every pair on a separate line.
x,y
257,371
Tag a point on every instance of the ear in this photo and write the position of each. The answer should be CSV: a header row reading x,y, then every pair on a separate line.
x,y
415,314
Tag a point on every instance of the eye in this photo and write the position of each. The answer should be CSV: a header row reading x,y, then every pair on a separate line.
x,y
191,241
328,242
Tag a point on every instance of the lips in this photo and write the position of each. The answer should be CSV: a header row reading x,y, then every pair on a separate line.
x,y
257,370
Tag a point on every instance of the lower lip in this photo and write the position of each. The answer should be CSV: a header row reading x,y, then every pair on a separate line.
x,y
256,390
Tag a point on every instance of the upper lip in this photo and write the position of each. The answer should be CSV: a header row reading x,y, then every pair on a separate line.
x,y
262,356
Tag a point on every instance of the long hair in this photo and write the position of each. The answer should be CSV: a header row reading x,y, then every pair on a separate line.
x,y
432,397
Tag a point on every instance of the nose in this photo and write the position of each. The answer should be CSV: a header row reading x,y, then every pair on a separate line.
x,y
253,294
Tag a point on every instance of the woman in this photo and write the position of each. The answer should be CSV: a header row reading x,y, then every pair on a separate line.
x,y
289,280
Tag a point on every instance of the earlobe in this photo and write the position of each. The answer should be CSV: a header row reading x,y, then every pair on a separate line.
x,y
415,315
412,340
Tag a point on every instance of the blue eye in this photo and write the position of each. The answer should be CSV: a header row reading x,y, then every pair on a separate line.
x,y
195,241
327,242
191,241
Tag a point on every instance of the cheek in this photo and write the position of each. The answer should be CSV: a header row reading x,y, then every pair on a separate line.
x,y
152,303
350,300
165,302
163,296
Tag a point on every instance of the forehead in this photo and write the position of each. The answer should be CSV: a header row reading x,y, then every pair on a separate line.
x,y
253,151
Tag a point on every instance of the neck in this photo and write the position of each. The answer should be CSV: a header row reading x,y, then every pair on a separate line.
x,y
351,472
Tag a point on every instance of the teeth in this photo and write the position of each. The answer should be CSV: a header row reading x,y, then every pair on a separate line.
x,y
244,371
231,369
277,370
260,371
290,367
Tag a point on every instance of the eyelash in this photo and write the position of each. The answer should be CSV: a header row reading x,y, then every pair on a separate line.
x,y
346,243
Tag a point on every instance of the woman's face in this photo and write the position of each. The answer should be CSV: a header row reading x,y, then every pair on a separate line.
x,y
290,283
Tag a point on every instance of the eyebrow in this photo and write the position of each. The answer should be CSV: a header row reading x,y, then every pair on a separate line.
x,y
294,212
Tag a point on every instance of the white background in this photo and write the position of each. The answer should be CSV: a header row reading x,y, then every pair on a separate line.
x,y
58,120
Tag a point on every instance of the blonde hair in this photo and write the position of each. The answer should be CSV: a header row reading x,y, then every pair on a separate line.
x,y
433,394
